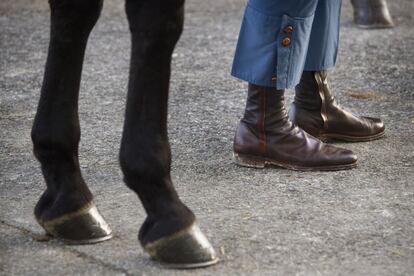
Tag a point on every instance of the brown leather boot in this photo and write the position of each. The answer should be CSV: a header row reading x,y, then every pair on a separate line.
x,y
372,14
316,111
265,135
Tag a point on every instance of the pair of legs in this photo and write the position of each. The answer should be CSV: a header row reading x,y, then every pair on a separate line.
x,y
285,44
66,209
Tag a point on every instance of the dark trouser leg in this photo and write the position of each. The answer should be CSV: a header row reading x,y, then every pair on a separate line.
x,y
56,131
145,152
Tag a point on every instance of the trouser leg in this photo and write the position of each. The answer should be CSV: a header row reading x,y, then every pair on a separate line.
x,y
324,36
273,42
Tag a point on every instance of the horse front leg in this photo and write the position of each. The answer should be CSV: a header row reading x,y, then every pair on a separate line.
x,y
65,210
169,233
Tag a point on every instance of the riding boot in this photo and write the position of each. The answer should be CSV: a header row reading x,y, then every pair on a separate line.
x,y
372,14
266,136
315,110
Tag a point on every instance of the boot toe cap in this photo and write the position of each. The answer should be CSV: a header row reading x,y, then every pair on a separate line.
x,y
339,156
377,125
347,156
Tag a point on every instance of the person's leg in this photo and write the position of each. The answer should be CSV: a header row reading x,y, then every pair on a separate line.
x,y
270,55
314,108
372,14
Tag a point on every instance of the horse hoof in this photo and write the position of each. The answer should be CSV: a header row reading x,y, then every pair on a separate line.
x,y
188,248
84,226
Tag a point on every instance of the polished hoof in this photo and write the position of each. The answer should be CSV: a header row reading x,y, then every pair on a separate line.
x,y
188,248
84,226
329,137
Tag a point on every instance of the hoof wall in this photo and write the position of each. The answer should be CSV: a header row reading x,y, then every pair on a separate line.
x,y
186,249
85,226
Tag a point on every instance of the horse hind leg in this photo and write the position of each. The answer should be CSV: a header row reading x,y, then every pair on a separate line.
x,y
66,209
169,233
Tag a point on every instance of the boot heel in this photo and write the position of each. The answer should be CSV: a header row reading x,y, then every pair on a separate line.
x,y
248,161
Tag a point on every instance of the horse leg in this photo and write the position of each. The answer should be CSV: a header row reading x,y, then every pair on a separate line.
x,y
169,233
65,210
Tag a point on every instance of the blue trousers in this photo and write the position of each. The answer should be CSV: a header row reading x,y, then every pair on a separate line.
x,y
279,39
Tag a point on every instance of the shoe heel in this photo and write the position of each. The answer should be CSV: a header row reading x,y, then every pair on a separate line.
x,y
248,161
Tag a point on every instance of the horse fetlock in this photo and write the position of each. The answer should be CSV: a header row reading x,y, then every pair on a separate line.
x,y
155,228
53,203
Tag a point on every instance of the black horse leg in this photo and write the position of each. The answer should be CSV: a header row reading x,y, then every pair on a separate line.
x,y
67,201
145,155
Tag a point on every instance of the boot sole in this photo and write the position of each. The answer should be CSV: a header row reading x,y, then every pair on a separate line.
x,y
375,26
340,137
260,163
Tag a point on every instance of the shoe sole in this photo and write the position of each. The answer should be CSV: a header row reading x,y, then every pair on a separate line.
x,y
260,163
340,137
375,26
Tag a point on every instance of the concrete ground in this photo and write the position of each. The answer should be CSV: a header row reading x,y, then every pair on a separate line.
x,y
262,222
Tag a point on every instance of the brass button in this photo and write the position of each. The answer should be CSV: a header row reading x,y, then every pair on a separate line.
x,y
286,41
288,29
274,78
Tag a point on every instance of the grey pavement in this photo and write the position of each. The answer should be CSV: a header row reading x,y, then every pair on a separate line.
x,y
262,222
